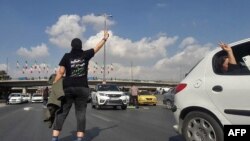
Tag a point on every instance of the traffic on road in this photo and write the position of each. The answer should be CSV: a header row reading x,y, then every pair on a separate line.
x,y
144,124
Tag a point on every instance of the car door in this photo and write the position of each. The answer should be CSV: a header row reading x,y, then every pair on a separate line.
x,y
230,93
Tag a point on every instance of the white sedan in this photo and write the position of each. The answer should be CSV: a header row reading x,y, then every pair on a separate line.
x,y
15,98
37,98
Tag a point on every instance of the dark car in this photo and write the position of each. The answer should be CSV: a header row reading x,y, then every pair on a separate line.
x,y
168,98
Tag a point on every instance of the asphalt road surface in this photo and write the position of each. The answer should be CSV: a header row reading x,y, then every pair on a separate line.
x,y
24,122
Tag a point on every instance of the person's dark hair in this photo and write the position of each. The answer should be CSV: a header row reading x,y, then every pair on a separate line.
x,y
219,63
76,44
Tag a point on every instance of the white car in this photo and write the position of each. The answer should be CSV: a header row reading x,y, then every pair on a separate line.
x,y
36,98
207,99
26,97
108,95
15,98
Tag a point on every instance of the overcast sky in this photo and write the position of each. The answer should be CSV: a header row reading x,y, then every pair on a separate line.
x,y
156,39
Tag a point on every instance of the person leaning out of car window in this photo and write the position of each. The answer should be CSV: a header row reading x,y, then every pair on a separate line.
x,y
228,64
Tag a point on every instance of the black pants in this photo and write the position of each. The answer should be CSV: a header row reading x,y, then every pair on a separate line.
x,y
79,96
135,101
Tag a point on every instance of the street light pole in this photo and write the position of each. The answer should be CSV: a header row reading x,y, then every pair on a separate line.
x,y
104,54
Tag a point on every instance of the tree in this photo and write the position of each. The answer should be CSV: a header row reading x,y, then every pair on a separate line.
x,y
4,75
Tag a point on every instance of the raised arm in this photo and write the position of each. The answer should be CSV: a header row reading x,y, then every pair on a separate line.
x,y
102,42
59,74
230,54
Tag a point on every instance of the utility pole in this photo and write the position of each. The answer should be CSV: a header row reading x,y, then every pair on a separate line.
x,y
104,54
7,64
131,69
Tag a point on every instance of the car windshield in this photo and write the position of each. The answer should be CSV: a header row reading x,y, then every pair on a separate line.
x,y
37,95
107,88
15,95
145,93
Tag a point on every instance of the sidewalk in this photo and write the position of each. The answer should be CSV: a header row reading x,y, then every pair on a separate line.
x,y
2,105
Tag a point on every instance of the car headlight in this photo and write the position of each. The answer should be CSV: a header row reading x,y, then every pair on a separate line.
x,y
102,94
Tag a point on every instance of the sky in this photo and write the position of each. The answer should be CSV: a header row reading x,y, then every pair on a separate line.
x,y
149,39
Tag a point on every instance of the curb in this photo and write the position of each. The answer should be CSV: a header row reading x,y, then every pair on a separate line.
x,y
2,105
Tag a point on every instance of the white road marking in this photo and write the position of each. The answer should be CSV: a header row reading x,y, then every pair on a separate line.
x,y
27,108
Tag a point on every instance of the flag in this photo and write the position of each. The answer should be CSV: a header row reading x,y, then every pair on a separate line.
x,y
17,65
26,64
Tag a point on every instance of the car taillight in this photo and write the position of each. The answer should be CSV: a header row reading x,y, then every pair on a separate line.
x,y
180,87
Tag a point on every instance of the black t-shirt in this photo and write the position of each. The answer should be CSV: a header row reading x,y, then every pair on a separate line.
x,y
76,65
237,69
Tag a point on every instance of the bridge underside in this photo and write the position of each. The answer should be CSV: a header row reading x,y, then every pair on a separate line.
x,y
32,83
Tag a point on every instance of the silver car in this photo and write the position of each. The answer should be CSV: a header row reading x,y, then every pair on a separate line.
x,y
168,98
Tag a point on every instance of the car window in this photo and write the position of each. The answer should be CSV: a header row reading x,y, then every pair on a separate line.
x,y
15,95
242,56
107,88
37,95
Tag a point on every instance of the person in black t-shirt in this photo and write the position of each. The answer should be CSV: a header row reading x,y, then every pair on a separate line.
x,y
75,85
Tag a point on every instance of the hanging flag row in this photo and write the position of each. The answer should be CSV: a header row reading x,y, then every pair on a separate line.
x,y
26,68
95,68
44,68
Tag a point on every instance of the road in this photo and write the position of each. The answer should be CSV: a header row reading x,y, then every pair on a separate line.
x,y
24,122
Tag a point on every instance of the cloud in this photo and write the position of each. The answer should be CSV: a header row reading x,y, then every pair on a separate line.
x,y
167,68
3,66
97,21
34,52
66,28
73,26
145,50
183,61
188,41
150,56
161,5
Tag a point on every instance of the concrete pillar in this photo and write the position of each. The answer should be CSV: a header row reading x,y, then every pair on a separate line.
x,y
24,90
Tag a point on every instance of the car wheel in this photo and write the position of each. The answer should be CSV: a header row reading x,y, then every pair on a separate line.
x,y
201,126
124,107
92,104
97,106
169,104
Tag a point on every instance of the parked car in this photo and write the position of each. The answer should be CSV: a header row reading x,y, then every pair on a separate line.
x,y
145,97
162,90
15,98
37,98
206,99
26,97
168,98
108,95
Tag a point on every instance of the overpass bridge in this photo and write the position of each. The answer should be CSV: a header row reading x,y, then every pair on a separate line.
x,y
25,84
